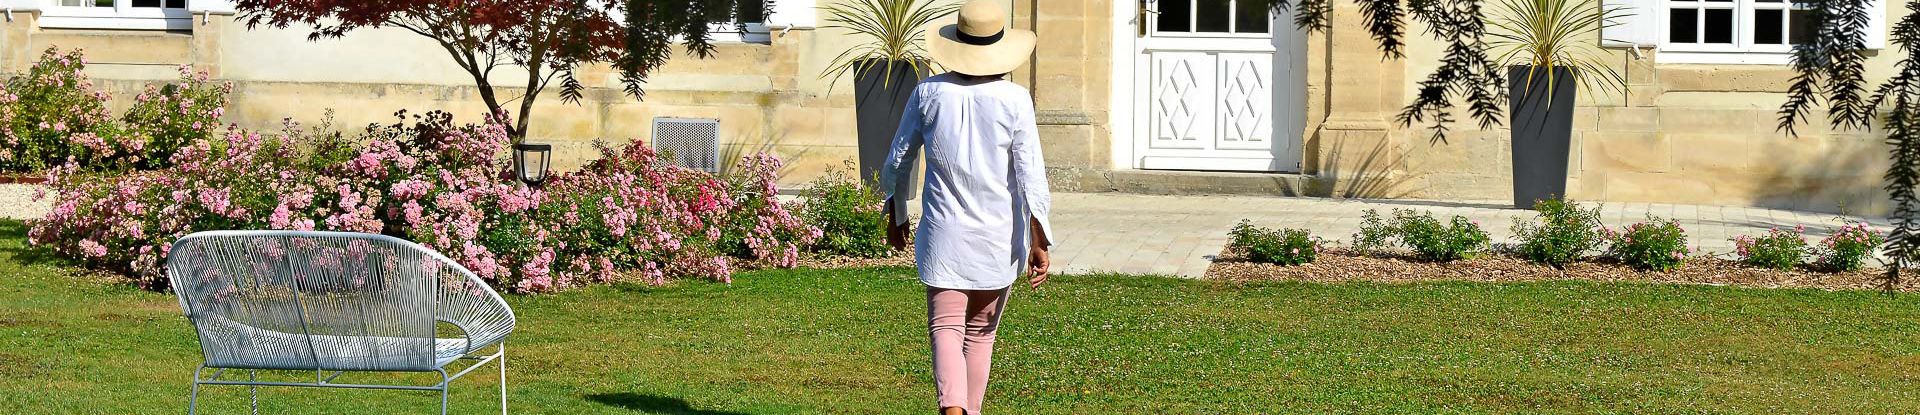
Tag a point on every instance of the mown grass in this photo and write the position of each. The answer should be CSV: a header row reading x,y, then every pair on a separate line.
x,y
853,341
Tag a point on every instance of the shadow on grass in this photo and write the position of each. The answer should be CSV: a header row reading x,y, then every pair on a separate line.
x,y
13,243
652,404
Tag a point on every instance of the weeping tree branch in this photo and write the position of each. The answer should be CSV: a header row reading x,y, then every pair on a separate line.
x,y
1831,68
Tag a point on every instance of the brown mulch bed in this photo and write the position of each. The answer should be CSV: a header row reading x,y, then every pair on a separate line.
x,y
1339,265
898,259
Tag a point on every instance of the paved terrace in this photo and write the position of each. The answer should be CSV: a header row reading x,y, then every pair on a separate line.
x,y
1179,235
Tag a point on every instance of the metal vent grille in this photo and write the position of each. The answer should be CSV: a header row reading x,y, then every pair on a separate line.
x,y
693,143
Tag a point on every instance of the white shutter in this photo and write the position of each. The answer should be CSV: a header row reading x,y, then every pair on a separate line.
x,y
1877,28
27,5
794,13
1639,24
210,6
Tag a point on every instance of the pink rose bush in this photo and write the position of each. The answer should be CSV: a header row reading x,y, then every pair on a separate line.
x,y
445,186
1849,247
1779,249
1655,245
53,115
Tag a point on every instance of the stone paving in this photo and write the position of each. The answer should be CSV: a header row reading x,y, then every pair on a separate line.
x,y
1179,235
16,202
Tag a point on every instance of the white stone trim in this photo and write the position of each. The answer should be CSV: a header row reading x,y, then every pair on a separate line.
x,y
1120,102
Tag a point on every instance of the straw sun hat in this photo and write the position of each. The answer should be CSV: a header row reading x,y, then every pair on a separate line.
x,y
980,43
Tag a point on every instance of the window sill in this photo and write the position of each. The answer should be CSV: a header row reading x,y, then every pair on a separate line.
x,y
761,38
1724,58
117,23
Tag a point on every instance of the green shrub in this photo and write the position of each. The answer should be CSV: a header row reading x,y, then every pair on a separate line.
x,y
1562,233
849,214
1654,245
1283,246
1374,234
1779,249
1848,249
1431,240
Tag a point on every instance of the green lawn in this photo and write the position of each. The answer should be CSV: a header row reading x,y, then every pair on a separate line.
x,y
810,341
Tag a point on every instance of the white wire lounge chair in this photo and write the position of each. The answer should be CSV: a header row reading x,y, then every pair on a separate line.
x,y
333,302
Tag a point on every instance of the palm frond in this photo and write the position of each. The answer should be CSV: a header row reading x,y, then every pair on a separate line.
x,y
893,32
1550,34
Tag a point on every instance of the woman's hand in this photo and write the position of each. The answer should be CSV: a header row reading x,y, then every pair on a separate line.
x,y
1038,259
896,232
1037,263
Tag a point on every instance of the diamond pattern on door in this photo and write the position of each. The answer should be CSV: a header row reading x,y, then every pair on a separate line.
x,y
1246,101
1182,100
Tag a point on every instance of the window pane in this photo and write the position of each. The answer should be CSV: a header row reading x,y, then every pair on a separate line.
x,y
1682,25
177,4
1251,17
1801,27
1719,26
86,3
1213,15
1767,28
1175,15
146,3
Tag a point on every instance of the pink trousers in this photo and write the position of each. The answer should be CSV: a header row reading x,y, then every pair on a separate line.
x,y
961,324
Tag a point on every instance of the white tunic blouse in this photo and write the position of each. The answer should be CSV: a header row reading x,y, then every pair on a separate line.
x,y
984,180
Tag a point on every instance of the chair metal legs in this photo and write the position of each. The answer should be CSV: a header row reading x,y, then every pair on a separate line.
x,y
253,391
253,383
503,378
193,398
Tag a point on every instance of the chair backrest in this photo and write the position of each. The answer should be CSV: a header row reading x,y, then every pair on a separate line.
x,y
313,300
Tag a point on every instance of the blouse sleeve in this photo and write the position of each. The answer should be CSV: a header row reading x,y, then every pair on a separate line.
x,y
1030,172
897,174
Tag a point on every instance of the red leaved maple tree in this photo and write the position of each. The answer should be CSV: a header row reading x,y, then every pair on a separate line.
x,y
549,39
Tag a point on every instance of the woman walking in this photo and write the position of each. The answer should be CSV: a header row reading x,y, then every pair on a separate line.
x,y
984,214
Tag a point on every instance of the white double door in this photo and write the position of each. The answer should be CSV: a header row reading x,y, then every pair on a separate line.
x,y
1218,85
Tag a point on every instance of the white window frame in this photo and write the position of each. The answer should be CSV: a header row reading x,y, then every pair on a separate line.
x,y
1742,50
1193,22
786,15
121,16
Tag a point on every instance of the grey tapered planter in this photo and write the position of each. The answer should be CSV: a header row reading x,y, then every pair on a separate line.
x,y
1542,132
879,98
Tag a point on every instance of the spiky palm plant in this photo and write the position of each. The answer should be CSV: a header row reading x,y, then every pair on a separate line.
x,y
1549,34
894,32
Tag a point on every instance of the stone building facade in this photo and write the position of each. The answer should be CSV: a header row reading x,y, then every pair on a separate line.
x,y
1231,100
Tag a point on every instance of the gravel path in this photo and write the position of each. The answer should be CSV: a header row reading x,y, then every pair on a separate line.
x,y
16,202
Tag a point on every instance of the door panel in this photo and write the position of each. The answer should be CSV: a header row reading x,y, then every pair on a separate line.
x,y
1246,102
1182,104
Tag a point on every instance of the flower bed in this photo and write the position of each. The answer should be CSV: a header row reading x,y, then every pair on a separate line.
x,y
443,185
1338,265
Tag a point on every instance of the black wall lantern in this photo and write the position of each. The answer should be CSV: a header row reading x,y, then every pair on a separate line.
x,y
530,162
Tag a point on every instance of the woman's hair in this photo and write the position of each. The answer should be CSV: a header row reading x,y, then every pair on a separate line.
x,y
981,77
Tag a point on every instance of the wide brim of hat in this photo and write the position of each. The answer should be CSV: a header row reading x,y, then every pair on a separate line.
x,y
1003,56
